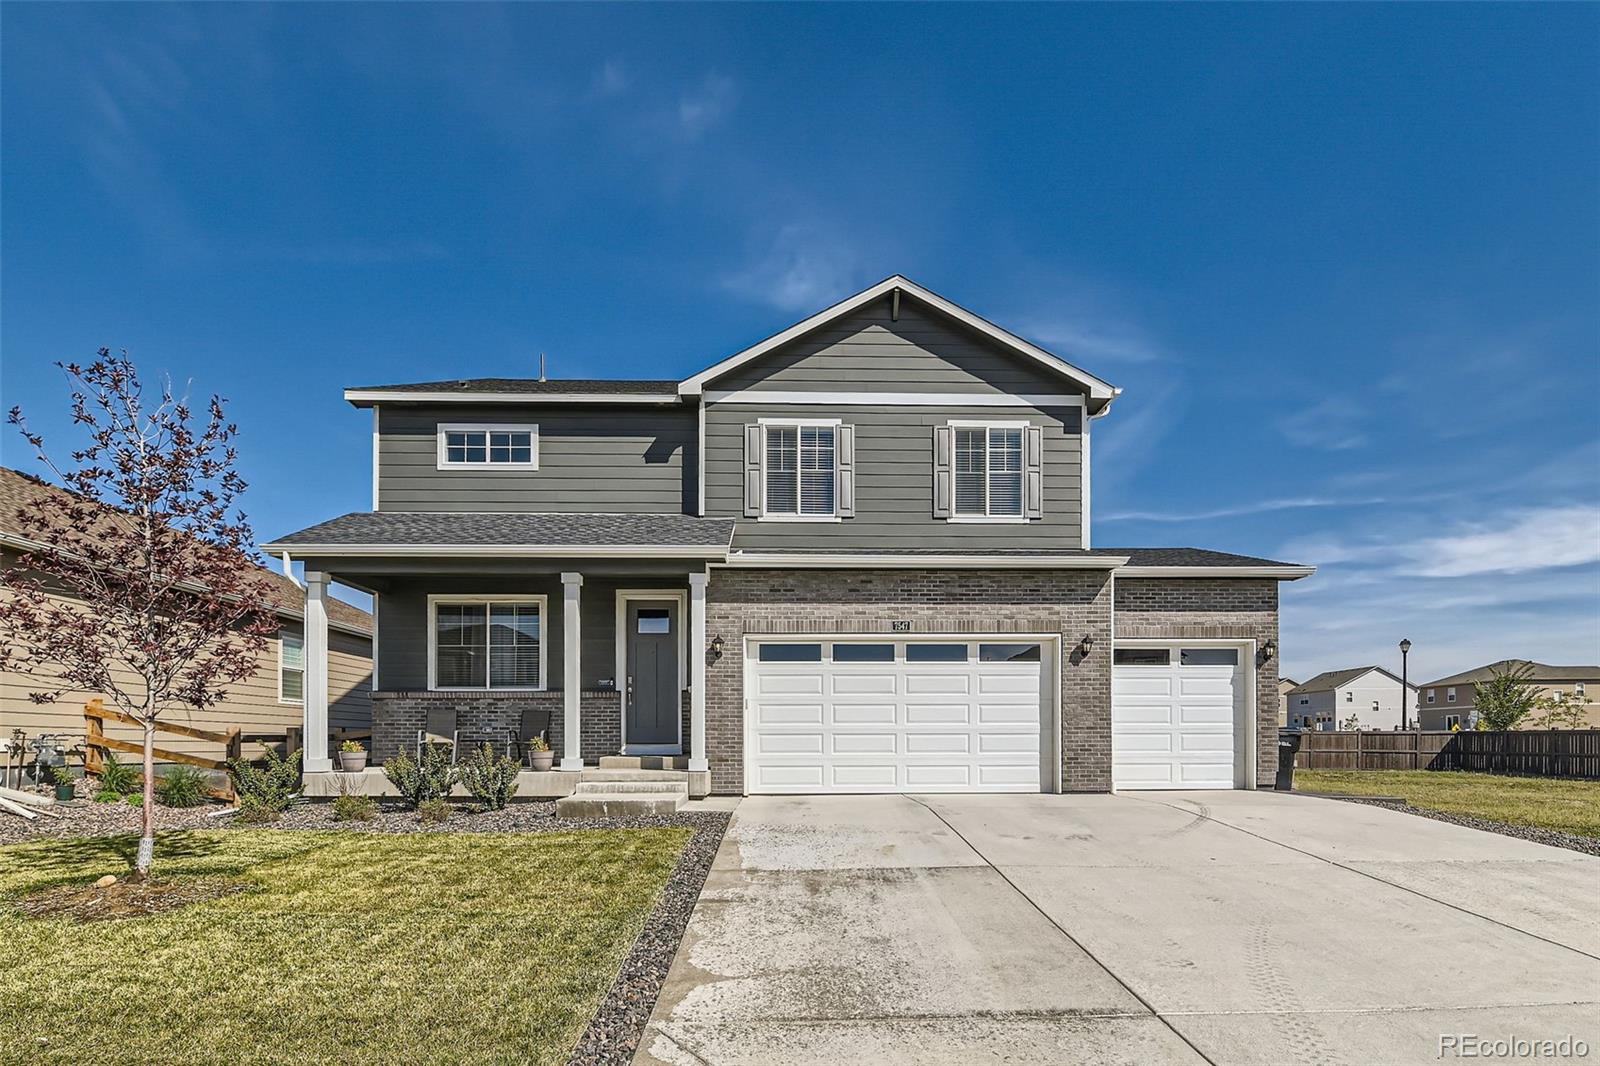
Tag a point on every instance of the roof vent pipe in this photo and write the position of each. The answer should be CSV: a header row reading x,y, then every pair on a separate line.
x,y
541,367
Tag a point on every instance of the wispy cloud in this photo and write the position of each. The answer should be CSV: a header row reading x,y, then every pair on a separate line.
x,y
612,79
706,104
1086,341
1239,510
801,267
1333,424
1534,540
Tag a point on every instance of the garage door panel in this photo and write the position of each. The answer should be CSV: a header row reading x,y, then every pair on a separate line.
x,y
864,743
1173,724
1206,742
789,743
790,714
810,775
853,775
1130,742
1002,776
1212,774
1206,686
925,682
849,684
1133,684
781,684
1144,713
938,743
864,713
1008,743
1145,774
946,775
929,713
1024,682
1202,714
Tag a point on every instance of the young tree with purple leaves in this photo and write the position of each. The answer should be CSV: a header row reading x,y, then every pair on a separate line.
x,y
141,584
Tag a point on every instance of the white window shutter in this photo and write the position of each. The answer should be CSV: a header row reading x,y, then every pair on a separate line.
x,y
754,449
943,448
845,458
1033,467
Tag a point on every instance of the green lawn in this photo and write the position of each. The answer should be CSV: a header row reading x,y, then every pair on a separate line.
x,y
1549,803
349,947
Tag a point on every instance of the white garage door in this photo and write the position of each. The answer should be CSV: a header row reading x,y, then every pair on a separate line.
x,y
865,715
1173,710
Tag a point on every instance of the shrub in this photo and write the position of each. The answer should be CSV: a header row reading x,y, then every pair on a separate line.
x,y
1506,698
253,811
490,779
351,746
432,779
271,785
182,786
117,778
434,811
353,808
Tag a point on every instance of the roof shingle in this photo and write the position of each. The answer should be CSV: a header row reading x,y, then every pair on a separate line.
x,y
507,529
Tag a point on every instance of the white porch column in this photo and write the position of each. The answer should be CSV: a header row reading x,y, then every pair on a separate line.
x,y
697,672
315,679
571,679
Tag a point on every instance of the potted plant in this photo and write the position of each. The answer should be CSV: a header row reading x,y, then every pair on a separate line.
x,y
352,757
540,757
66,788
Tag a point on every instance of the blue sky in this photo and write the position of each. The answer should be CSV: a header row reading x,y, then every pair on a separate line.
x,y
1343,259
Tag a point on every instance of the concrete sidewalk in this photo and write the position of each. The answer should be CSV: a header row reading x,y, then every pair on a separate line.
x,y
1227,927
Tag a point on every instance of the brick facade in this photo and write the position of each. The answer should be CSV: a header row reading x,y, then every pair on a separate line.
x,y
1213,608
1071,603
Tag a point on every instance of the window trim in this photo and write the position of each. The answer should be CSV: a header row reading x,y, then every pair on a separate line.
x,y
1450,694
1448,723
1021,517
799,424
1431,695
441,453
301,637
451,599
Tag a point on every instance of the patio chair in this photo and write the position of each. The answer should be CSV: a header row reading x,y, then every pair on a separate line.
x,y
440,729
535,723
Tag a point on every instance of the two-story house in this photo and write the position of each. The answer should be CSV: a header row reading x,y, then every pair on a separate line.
x,y
1369,695
853,557
1448,702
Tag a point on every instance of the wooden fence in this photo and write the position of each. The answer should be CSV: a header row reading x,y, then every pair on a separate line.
x,y
96,743
1537,752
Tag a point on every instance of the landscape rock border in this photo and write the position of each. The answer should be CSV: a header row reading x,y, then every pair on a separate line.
x,y
1553,837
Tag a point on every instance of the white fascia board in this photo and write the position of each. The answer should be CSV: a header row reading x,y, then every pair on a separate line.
x,y
518,551
782,561
895,399
360,397
1098,390
1281,573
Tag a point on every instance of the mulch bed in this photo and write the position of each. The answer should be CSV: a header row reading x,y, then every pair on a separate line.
x,y
1553,837
123,899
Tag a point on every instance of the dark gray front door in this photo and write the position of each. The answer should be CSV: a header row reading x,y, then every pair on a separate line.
x,y
652,682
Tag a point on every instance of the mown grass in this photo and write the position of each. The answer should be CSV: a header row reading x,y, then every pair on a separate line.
x,y
1543,802
348,947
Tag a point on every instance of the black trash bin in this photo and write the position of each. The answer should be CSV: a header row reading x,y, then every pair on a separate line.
x,y
1288,747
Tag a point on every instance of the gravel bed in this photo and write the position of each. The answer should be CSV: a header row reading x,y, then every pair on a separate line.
x,y
617,1025
1554,837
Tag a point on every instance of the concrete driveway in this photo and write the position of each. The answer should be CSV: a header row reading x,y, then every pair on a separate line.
x,y
1223,927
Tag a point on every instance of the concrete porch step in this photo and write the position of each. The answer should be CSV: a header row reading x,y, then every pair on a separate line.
x,y
623,788
644,762
619,804
633,775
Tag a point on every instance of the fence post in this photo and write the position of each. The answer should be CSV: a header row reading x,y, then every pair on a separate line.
x,y
93,734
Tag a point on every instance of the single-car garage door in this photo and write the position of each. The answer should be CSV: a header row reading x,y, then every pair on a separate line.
x,y
1175,712
885,715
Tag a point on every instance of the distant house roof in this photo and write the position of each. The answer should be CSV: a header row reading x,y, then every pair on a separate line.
x,y
1332,679
1541,672
519,390
19,491
508,533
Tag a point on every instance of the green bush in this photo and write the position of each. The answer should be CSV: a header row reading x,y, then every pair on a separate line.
x,y
418,783
182,786
272,785
253,811
117,778
353,808
490,779
434,811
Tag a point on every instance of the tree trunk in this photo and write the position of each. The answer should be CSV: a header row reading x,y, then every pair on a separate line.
x,y
147,836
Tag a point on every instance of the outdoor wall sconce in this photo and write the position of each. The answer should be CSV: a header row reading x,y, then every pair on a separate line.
x,y
1086,644
1268,650
716,647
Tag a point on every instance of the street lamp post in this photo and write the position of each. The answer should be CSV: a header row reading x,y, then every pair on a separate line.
x,y
1405,686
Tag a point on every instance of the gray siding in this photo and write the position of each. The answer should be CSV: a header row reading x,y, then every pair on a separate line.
x,y
894,480
918,353
594,459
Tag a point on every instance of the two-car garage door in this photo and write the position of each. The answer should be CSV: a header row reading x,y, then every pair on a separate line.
x,y
884,715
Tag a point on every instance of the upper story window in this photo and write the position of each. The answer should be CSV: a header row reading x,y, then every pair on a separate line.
x,y
1449,695
800,469
1349,697
1430,695
464,446
988,471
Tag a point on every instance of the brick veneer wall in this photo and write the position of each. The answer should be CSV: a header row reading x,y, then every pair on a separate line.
x,y
1073,603
1216,608
396,717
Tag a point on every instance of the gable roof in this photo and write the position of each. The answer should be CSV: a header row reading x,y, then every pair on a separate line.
x,y
1100,393
519,390
19,491
511,533
1541,672
1332,679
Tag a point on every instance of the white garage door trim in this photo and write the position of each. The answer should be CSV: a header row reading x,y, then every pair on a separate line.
x,y
1245,727
1050,694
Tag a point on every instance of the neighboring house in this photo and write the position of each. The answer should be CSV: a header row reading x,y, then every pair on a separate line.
x,y
1284,685
1447,702
1370,694
853,557
265,705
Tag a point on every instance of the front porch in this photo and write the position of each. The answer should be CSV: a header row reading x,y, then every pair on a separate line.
x,y
605,658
